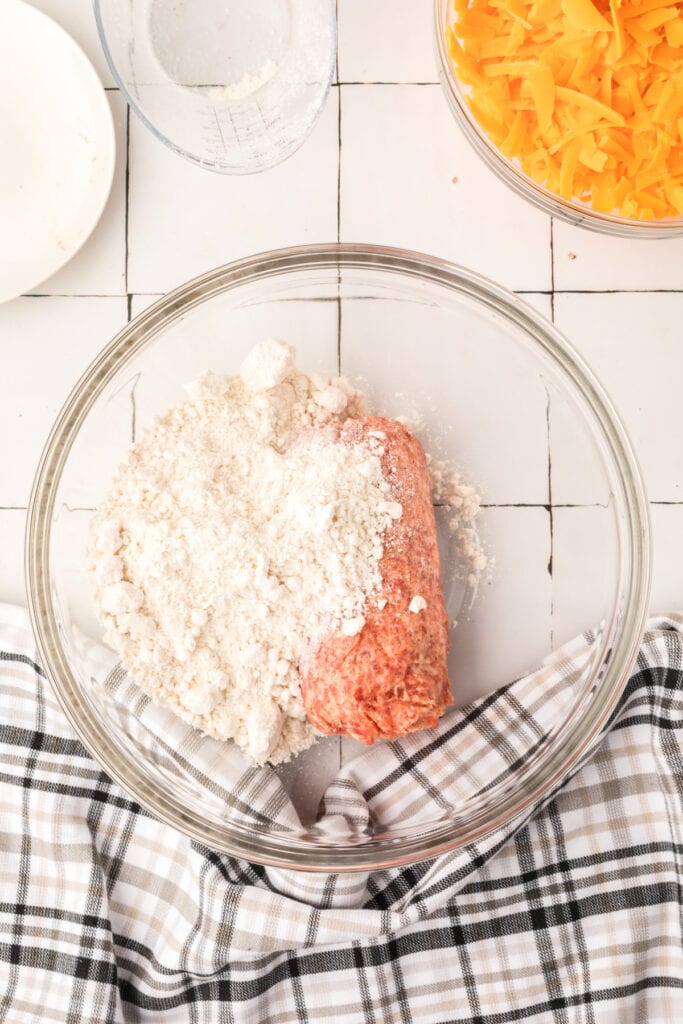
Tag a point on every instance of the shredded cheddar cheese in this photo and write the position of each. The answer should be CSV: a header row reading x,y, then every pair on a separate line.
x,y
588,97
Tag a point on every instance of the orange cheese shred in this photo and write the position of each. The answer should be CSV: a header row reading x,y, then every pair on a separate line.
x,y
595,107
542,89
619,33
584,15
674,32
586,95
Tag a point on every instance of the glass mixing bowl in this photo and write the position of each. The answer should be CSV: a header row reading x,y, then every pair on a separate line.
x,y
509,171
496,387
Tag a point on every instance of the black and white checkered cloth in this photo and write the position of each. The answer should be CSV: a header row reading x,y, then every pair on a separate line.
x,y
573,913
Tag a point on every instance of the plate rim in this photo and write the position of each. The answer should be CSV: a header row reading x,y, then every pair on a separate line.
x,y
108,154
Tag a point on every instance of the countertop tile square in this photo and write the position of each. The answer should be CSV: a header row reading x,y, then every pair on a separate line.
x,y
99,267
584,560
583,547
139,303
492,647
588,261
401,153
12,528
541,301
634,344
440,386
78,18
231,333
47,343
184,220
386,41
667,558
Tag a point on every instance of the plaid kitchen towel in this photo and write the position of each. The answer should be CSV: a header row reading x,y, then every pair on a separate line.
x,y
571,913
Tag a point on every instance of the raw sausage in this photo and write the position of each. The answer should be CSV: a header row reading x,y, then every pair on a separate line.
x,y
391,678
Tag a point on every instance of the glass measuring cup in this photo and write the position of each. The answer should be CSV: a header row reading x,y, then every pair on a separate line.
x,y
233,85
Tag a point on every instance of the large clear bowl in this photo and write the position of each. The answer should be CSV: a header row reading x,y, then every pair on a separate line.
x,y
497,389
509,171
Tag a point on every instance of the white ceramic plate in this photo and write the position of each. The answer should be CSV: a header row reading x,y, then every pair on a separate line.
x,y
56,148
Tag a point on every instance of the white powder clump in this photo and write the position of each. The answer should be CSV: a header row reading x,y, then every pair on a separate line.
x,y
236,533
267,365
463,504
246,86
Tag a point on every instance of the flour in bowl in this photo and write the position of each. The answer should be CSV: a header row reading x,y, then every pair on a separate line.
x,y
236,533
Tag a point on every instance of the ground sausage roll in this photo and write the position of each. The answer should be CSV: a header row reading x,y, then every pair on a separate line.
x,y
391,678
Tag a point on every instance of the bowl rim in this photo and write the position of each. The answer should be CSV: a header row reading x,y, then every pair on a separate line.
x,y
572,212
376,852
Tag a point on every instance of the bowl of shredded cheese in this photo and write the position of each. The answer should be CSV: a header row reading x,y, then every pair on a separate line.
x,y
296,517
576,104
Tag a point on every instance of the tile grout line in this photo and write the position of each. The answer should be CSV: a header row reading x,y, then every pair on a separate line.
x,y
336,42
339,160
550,457
340,744
552,273
551,518
420,84
73,295
538,504
551,506
129,294
339,129
126,210
617,291
484,505
515,291
334,84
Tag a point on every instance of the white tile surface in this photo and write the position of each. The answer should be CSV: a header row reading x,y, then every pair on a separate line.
x,y
584,551
541,301
185,220
227,335
138,303
509,629
477,403
667,558
400,152
78,18
587,261
585,561
99,267
47,343
12,525
386,41
634,343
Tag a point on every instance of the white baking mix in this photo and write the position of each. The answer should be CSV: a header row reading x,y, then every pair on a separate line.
x,y
230,537
236,532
